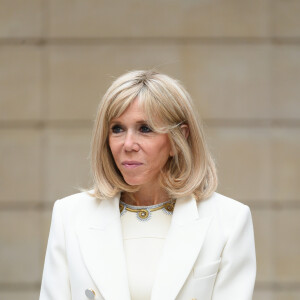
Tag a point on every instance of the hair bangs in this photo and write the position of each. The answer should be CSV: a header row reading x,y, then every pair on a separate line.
x,y
158,117
119,104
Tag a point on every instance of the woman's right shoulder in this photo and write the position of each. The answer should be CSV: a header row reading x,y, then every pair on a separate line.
x,y
77,203
75,209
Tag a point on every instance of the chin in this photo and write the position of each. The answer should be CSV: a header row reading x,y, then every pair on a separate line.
x,y
132,181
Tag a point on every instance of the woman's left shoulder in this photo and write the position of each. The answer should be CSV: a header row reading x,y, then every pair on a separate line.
x,y
222,205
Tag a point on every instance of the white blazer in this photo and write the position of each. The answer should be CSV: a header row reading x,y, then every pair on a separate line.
x,y
209,251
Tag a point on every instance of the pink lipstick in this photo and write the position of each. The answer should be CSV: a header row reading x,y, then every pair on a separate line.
x,y
131,164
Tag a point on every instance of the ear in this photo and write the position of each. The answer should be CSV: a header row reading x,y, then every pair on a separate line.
x,y
185,130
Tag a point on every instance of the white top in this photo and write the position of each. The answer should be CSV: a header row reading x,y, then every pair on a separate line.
x,y
144,238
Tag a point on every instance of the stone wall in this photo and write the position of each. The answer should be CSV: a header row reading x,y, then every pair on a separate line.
x,y
239,59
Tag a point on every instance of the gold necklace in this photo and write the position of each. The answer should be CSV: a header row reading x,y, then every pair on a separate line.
x,y
143,213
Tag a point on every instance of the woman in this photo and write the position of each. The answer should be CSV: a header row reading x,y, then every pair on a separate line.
x,y
153,226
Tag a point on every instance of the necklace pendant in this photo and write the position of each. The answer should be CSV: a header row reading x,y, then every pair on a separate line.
x,y
143,214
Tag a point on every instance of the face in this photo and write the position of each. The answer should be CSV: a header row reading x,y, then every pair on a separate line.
x,y
139,153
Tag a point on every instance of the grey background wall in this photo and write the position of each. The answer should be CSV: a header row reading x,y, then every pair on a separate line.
x,y
239,59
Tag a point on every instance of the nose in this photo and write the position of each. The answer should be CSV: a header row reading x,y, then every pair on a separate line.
x,y
131,142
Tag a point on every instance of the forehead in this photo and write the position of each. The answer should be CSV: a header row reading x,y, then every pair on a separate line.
x,y
140,110
134,111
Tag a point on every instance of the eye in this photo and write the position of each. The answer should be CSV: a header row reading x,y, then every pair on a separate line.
x,y
145,129
116,129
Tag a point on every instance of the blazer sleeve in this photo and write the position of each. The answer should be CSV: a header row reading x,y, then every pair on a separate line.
x,y
55,281
237,272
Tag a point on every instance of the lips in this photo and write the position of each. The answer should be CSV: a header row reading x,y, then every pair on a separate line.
x,y
131,164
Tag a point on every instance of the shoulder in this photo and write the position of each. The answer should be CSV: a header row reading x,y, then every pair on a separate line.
x,y
76,206
229,217
78,200
226,210
222,203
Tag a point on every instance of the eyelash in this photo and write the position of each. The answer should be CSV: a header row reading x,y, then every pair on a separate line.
x,y
143,128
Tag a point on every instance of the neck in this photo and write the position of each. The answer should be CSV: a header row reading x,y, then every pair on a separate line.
x,y
146,197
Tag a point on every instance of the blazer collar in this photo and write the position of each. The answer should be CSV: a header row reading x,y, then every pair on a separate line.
x,y
101,244
182,246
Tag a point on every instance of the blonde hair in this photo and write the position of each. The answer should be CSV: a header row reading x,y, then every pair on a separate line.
x,y
167,105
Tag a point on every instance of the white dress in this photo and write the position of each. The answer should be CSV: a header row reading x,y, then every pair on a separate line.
x,y
144,232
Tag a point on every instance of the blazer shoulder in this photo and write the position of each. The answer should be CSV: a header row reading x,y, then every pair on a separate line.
x,y
76,209
222,205
228,214
81,198
77,204
227,202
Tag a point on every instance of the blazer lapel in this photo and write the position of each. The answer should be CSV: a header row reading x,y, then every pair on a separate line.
x,y
182,246
101,245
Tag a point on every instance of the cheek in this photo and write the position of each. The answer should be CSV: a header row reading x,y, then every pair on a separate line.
x,y
113,147
160,153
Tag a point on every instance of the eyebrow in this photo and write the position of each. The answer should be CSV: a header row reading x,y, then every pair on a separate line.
x,y
114,121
